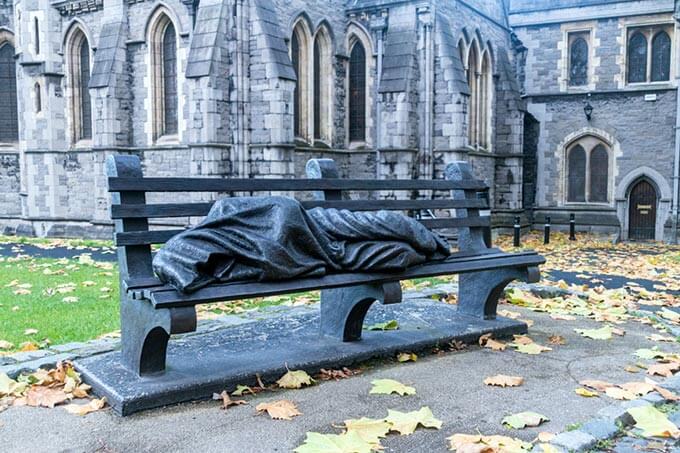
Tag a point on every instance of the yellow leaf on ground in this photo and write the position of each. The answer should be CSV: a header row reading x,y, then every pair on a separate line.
x,y
600,386
10,387
370,430
524,419
389,386
405,423
502,380
279,410
349,442
603,333
466,443
653,422
585,392
406,357
532,348
84,409
295,380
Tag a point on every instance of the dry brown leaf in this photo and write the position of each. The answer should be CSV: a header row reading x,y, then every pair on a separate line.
x,y
502,380
522,339
619,393
487,341
557,340
667,394
81,391
631,369
227,402
638,388
84,409
45,396
279,410
663,369
544,436
594,384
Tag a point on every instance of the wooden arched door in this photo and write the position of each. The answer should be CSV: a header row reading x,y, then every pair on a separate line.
x,y
642,211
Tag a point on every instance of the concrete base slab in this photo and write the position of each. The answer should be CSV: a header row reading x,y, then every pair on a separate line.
x,y
200,365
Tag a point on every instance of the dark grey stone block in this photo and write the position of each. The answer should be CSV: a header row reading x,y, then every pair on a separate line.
x,y
600,428
574,440
200,365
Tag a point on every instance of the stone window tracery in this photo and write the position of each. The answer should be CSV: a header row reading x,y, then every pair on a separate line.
x,y
588,171
479,73
164,74
9,122
357,93
578,59
649,54
78,79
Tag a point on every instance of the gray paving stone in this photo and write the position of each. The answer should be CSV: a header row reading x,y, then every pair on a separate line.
x,y
615,412
30,355
68,347
635,403
574,440
654,398
675,417
600,428
672,383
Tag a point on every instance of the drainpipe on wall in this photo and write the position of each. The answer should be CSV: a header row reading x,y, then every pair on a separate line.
x,y
378,24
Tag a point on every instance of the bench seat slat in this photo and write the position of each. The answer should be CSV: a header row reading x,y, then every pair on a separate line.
x,y
167,297
162,236
201,209
283,185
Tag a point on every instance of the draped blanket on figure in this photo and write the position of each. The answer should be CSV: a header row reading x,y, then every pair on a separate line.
x,y
275,238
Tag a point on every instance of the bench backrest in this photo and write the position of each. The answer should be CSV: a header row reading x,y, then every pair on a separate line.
x,y
131,213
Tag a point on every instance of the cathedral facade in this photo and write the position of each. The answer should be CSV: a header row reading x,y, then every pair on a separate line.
x,y
387,88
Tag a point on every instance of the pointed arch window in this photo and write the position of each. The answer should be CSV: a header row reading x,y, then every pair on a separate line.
x,y
578,59
357,93
588,171
9,122
163,46
37,98
78,81
300,58
323,77
480,105
661,57
649,54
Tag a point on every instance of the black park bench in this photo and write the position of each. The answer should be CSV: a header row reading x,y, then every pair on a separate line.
x,y
151,311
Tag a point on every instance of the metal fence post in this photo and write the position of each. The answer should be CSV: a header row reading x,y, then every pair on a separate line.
x,y
572,227
518,227
546,231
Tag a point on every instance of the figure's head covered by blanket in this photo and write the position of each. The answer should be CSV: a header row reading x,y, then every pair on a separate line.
x,y
275,238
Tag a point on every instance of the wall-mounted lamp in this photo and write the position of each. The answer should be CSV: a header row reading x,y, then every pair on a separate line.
x,y
588,109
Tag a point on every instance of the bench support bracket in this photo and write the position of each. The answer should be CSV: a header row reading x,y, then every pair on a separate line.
x,y
478,292
343,309
145,332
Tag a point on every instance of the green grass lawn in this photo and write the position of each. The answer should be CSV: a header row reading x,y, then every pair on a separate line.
x,y
63,299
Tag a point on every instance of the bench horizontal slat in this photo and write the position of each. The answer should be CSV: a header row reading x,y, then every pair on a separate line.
x,y
283,185
200,209
162,236
167,298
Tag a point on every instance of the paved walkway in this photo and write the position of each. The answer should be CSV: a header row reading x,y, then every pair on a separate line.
x,y
450,384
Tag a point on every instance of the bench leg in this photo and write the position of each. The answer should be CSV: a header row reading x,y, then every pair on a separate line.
x,y
145,332
343,309
478,292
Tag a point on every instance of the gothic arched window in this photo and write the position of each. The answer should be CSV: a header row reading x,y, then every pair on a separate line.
x,y
473,106
323,74
661,57
577,174
599,175
9,122
578,61
164,75
357,93
637,58
300,55
78,80
485,82
588,171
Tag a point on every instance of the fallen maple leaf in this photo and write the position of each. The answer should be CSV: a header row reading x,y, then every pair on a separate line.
x,y
45,396
522,339
370,430
638,388
84,409
6,345
585,392
663,369
241,389
619,393
524,419
406,357
405,423
557,340
502,380
603,333
653,422
279,410
487,341
227,402
466,443
532,348
600,386
10,387
295,380
349,442
389,386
